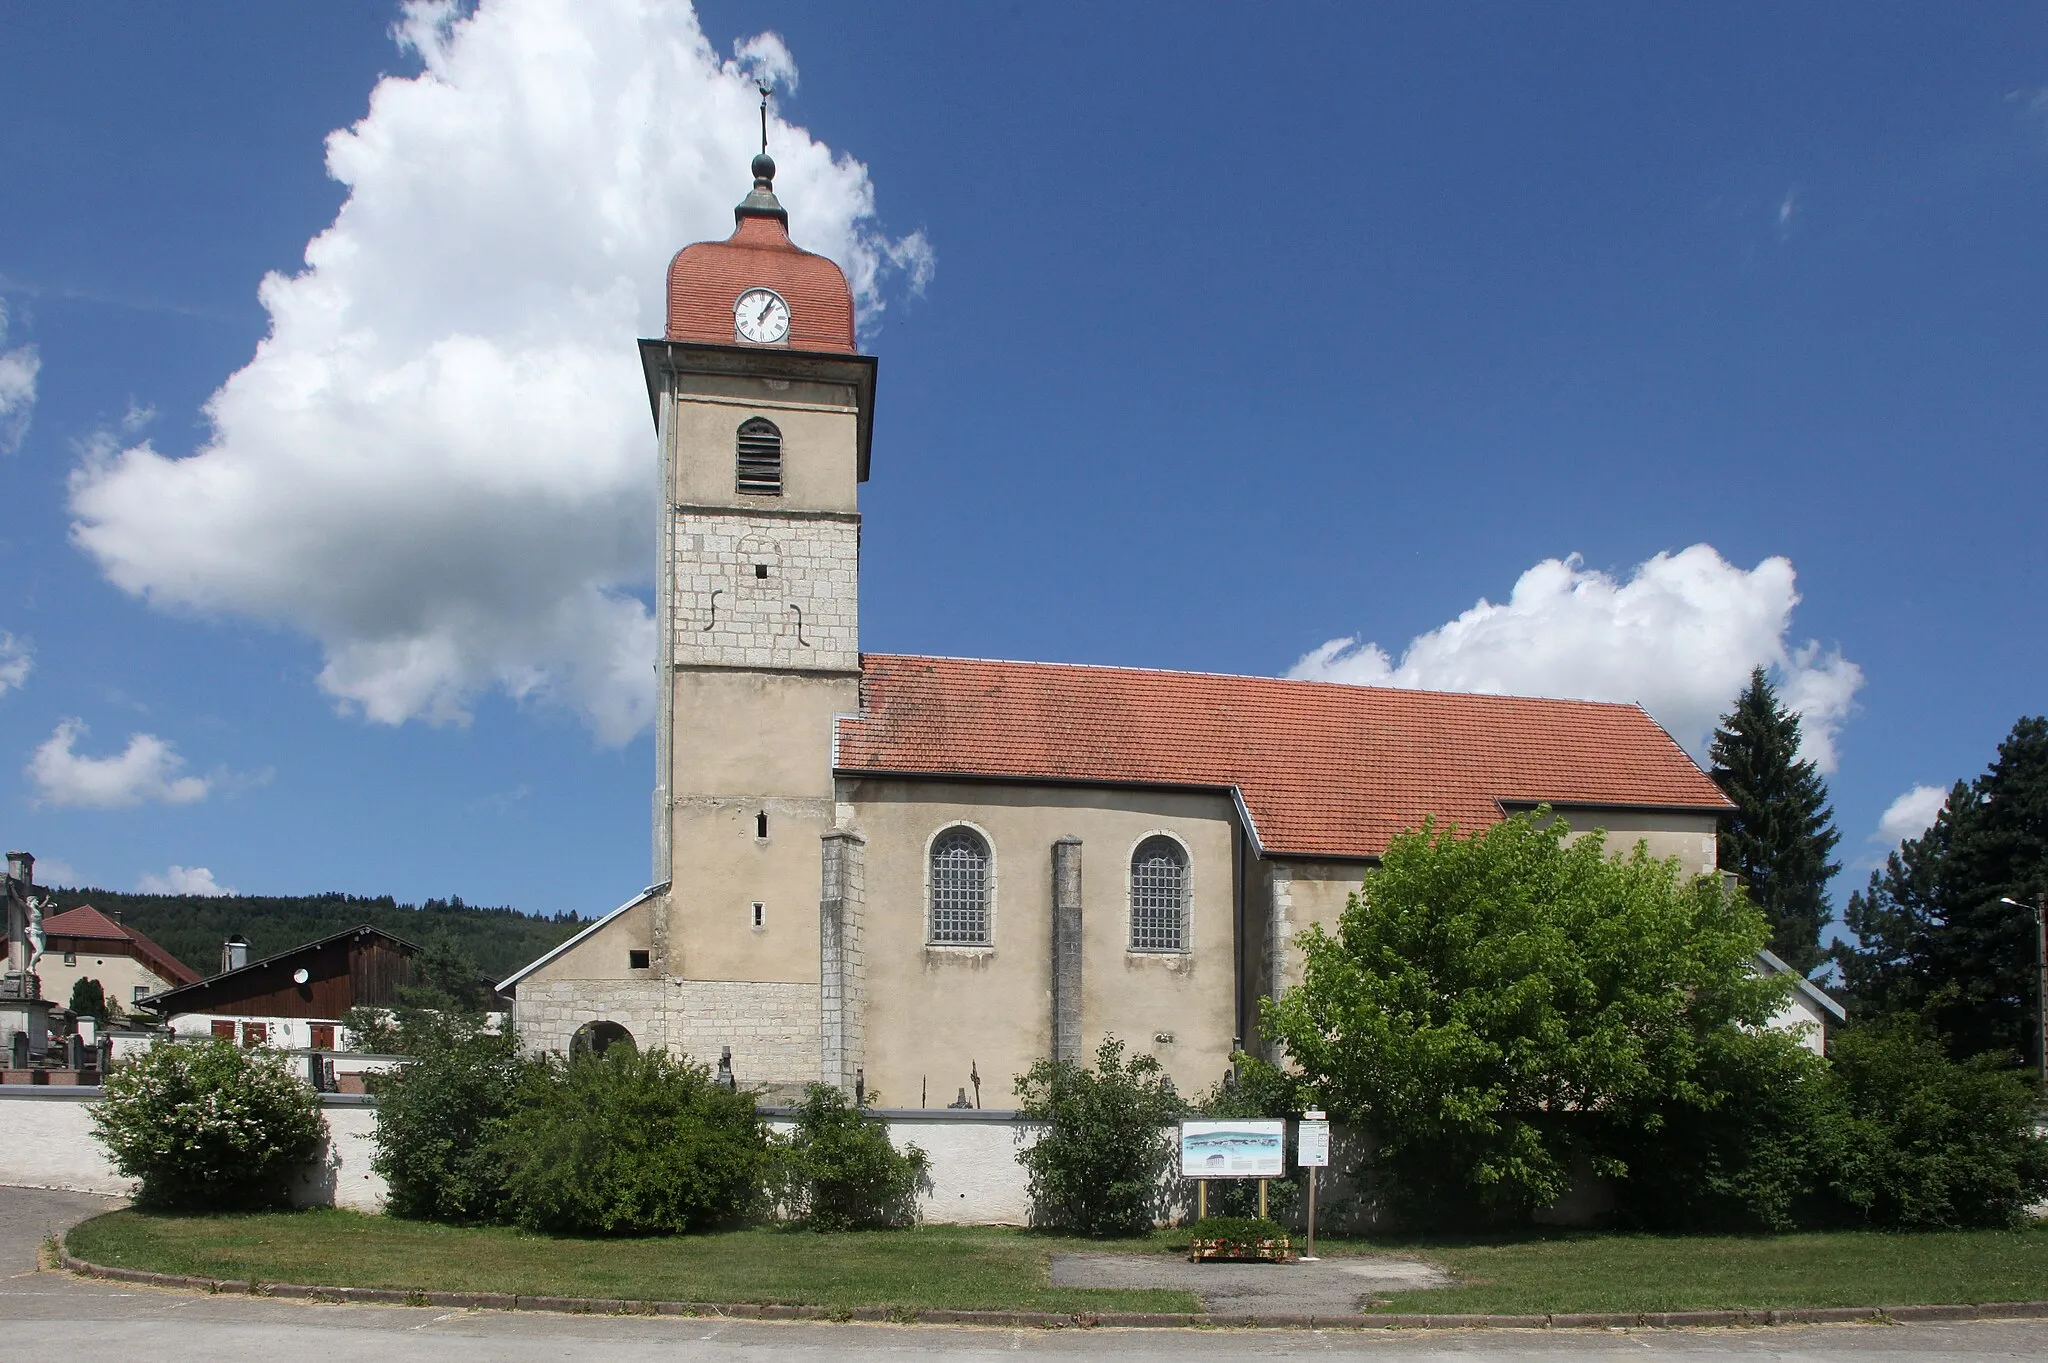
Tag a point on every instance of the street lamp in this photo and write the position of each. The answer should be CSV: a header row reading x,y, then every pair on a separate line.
x,y
2040,911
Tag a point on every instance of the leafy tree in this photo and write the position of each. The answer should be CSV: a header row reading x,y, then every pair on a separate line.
x,y
1934,936
206,1125
1499,1008
632,1143
1100,1165
1779,837
440,1118
838,1171
89,1000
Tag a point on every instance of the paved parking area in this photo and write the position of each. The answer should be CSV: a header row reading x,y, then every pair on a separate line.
x,y
1327,1286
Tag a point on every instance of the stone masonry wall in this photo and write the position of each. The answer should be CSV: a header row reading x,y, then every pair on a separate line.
x,y
803,614
843,960
772,1028
549,1012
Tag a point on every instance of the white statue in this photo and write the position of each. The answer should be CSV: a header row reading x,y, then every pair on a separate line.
x,y
36,939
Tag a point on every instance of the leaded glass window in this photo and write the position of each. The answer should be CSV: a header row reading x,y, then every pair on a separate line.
x,y
960,888
1159,896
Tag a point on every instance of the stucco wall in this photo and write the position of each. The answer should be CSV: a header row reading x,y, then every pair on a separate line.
x,y
1666,833
819,429
935,1012
46,1141
120,975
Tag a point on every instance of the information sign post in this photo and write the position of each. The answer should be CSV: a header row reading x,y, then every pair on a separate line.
x,y
1312,1152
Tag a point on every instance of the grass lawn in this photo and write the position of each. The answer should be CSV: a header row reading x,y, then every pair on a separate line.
x,y
1602,1272
968,1268
946,1267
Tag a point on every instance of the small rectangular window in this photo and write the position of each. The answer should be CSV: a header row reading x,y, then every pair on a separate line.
x,y
636,960
761,570
760,914
322,1036
71,958
255,1033
223,1028
141,992
761,824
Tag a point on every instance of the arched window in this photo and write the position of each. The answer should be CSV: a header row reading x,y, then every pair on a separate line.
x,y
1159,896
960,888
760,458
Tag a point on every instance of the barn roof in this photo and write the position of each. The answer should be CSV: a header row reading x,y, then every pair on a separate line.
x,y
1322,769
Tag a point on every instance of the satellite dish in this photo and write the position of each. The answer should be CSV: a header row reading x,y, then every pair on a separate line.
x,y
301,975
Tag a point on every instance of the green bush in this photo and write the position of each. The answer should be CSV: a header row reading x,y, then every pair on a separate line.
x,y
205,1125
631,1143
1238,1230
1100,1166
838,1171
89,999
1752,1144
1933,1142
440,1120
1257,1089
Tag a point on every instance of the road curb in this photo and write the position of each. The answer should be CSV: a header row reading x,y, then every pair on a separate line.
x,y
1055,1320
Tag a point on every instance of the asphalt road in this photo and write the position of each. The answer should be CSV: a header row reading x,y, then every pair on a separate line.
x,y
54,1315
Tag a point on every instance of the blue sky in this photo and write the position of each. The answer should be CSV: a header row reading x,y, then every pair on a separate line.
x,y
1206,345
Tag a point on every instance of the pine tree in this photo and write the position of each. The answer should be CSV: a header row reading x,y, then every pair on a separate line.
x,y
1779,837
1934,935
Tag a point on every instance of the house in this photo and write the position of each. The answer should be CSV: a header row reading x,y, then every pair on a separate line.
x,y
923,874
87,943
294,998
1807,1012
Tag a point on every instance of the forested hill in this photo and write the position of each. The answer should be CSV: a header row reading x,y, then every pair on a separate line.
x,y
499,940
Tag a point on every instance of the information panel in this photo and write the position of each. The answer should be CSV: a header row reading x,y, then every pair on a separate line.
x,y
1312,1145
1233,1149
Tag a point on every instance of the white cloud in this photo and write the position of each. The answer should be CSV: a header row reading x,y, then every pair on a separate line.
x,y
1680,635
52,872
187,880
146,771
1910,815
16,660
18,370
438,462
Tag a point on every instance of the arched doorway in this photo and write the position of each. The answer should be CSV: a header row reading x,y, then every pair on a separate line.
x,y
595,1038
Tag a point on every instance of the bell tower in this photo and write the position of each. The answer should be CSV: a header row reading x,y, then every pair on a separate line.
x,y
764,411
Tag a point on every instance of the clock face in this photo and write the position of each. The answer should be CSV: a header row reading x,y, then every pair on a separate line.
x,y
761,316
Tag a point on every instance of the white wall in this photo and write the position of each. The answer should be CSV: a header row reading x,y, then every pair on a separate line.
x,y
46,1141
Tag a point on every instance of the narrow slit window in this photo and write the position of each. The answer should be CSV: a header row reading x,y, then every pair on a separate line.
x,y
760,463
761,825
760,914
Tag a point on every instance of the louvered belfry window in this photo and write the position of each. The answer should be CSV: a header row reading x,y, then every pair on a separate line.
x,y
1159,896
760,458
960,889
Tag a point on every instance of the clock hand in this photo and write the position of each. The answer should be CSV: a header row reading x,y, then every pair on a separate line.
x,y
765,309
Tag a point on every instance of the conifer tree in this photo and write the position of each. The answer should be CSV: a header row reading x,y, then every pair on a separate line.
x,y
1934,935
1782,830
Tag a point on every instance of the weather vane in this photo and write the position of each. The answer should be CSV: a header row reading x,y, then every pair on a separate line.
x,y
766,90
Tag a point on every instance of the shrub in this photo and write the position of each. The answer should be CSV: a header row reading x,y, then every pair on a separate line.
x,y
631,1143
1751,1145
838,1171
1933,1142
89,999
1258,1089
205,1125
1238,1230
1101,1163
439,1120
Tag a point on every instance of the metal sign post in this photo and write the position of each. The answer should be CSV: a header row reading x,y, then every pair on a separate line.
x,y
1312,1152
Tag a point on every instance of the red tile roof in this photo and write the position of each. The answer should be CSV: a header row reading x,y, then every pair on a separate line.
x,y
705,280
1325,770
87,924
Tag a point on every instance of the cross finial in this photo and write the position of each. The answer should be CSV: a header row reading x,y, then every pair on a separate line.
x,y
766,90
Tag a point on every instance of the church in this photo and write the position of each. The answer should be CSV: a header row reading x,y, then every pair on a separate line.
x,y
919,875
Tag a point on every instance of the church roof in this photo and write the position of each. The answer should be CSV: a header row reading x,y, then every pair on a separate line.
x,y
1322,769
87,924
706,280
